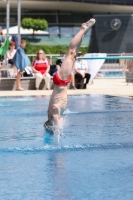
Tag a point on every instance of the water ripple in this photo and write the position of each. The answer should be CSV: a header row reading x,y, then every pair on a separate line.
x,y
59,148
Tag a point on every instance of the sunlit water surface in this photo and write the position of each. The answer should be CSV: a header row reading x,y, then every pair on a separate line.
x,y
92,160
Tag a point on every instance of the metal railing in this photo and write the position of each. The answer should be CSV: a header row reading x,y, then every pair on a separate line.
x,y
51,57
112,67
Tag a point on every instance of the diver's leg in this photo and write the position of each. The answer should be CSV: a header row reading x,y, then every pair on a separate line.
x,y
73,48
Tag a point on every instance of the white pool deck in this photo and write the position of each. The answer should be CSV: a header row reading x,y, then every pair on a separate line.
x,y
113,87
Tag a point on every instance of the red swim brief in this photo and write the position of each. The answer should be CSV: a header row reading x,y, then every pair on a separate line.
x,y
59,82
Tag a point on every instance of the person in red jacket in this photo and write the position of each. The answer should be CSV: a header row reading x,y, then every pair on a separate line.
x,y
41,67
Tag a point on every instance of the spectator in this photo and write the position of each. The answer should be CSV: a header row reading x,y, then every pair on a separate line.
x,y
0,70
129,64
10,54
15,39
81,69
58,65
21,61
59,61
2,39
122,63
41,67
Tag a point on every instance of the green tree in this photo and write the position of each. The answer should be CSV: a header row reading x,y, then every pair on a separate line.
x,y
34,24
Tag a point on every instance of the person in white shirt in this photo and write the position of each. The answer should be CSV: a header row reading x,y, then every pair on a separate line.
x,y
81,71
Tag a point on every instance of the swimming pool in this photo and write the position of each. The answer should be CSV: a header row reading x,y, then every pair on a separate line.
x,y
92,160
112,74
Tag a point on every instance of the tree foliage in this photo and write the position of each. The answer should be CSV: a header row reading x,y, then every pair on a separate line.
x,y
33,49
34,24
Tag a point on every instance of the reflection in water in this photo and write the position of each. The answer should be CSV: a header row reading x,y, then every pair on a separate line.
x,y
58,174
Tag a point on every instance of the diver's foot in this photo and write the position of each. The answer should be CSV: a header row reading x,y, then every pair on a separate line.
x,y
87,25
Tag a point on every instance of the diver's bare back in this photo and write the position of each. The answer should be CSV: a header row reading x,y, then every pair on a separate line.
x,y
58,100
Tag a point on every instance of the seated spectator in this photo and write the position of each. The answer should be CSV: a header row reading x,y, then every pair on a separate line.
x,y
10,54
58,65
41,67
52,69
81,69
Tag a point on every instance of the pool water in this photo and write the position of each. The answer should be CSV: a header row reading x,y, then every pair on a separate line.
x,y
92,160
113,74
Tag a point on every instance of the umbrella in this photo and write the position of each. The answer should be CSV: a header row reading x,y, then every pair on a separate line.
x,y
14,30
